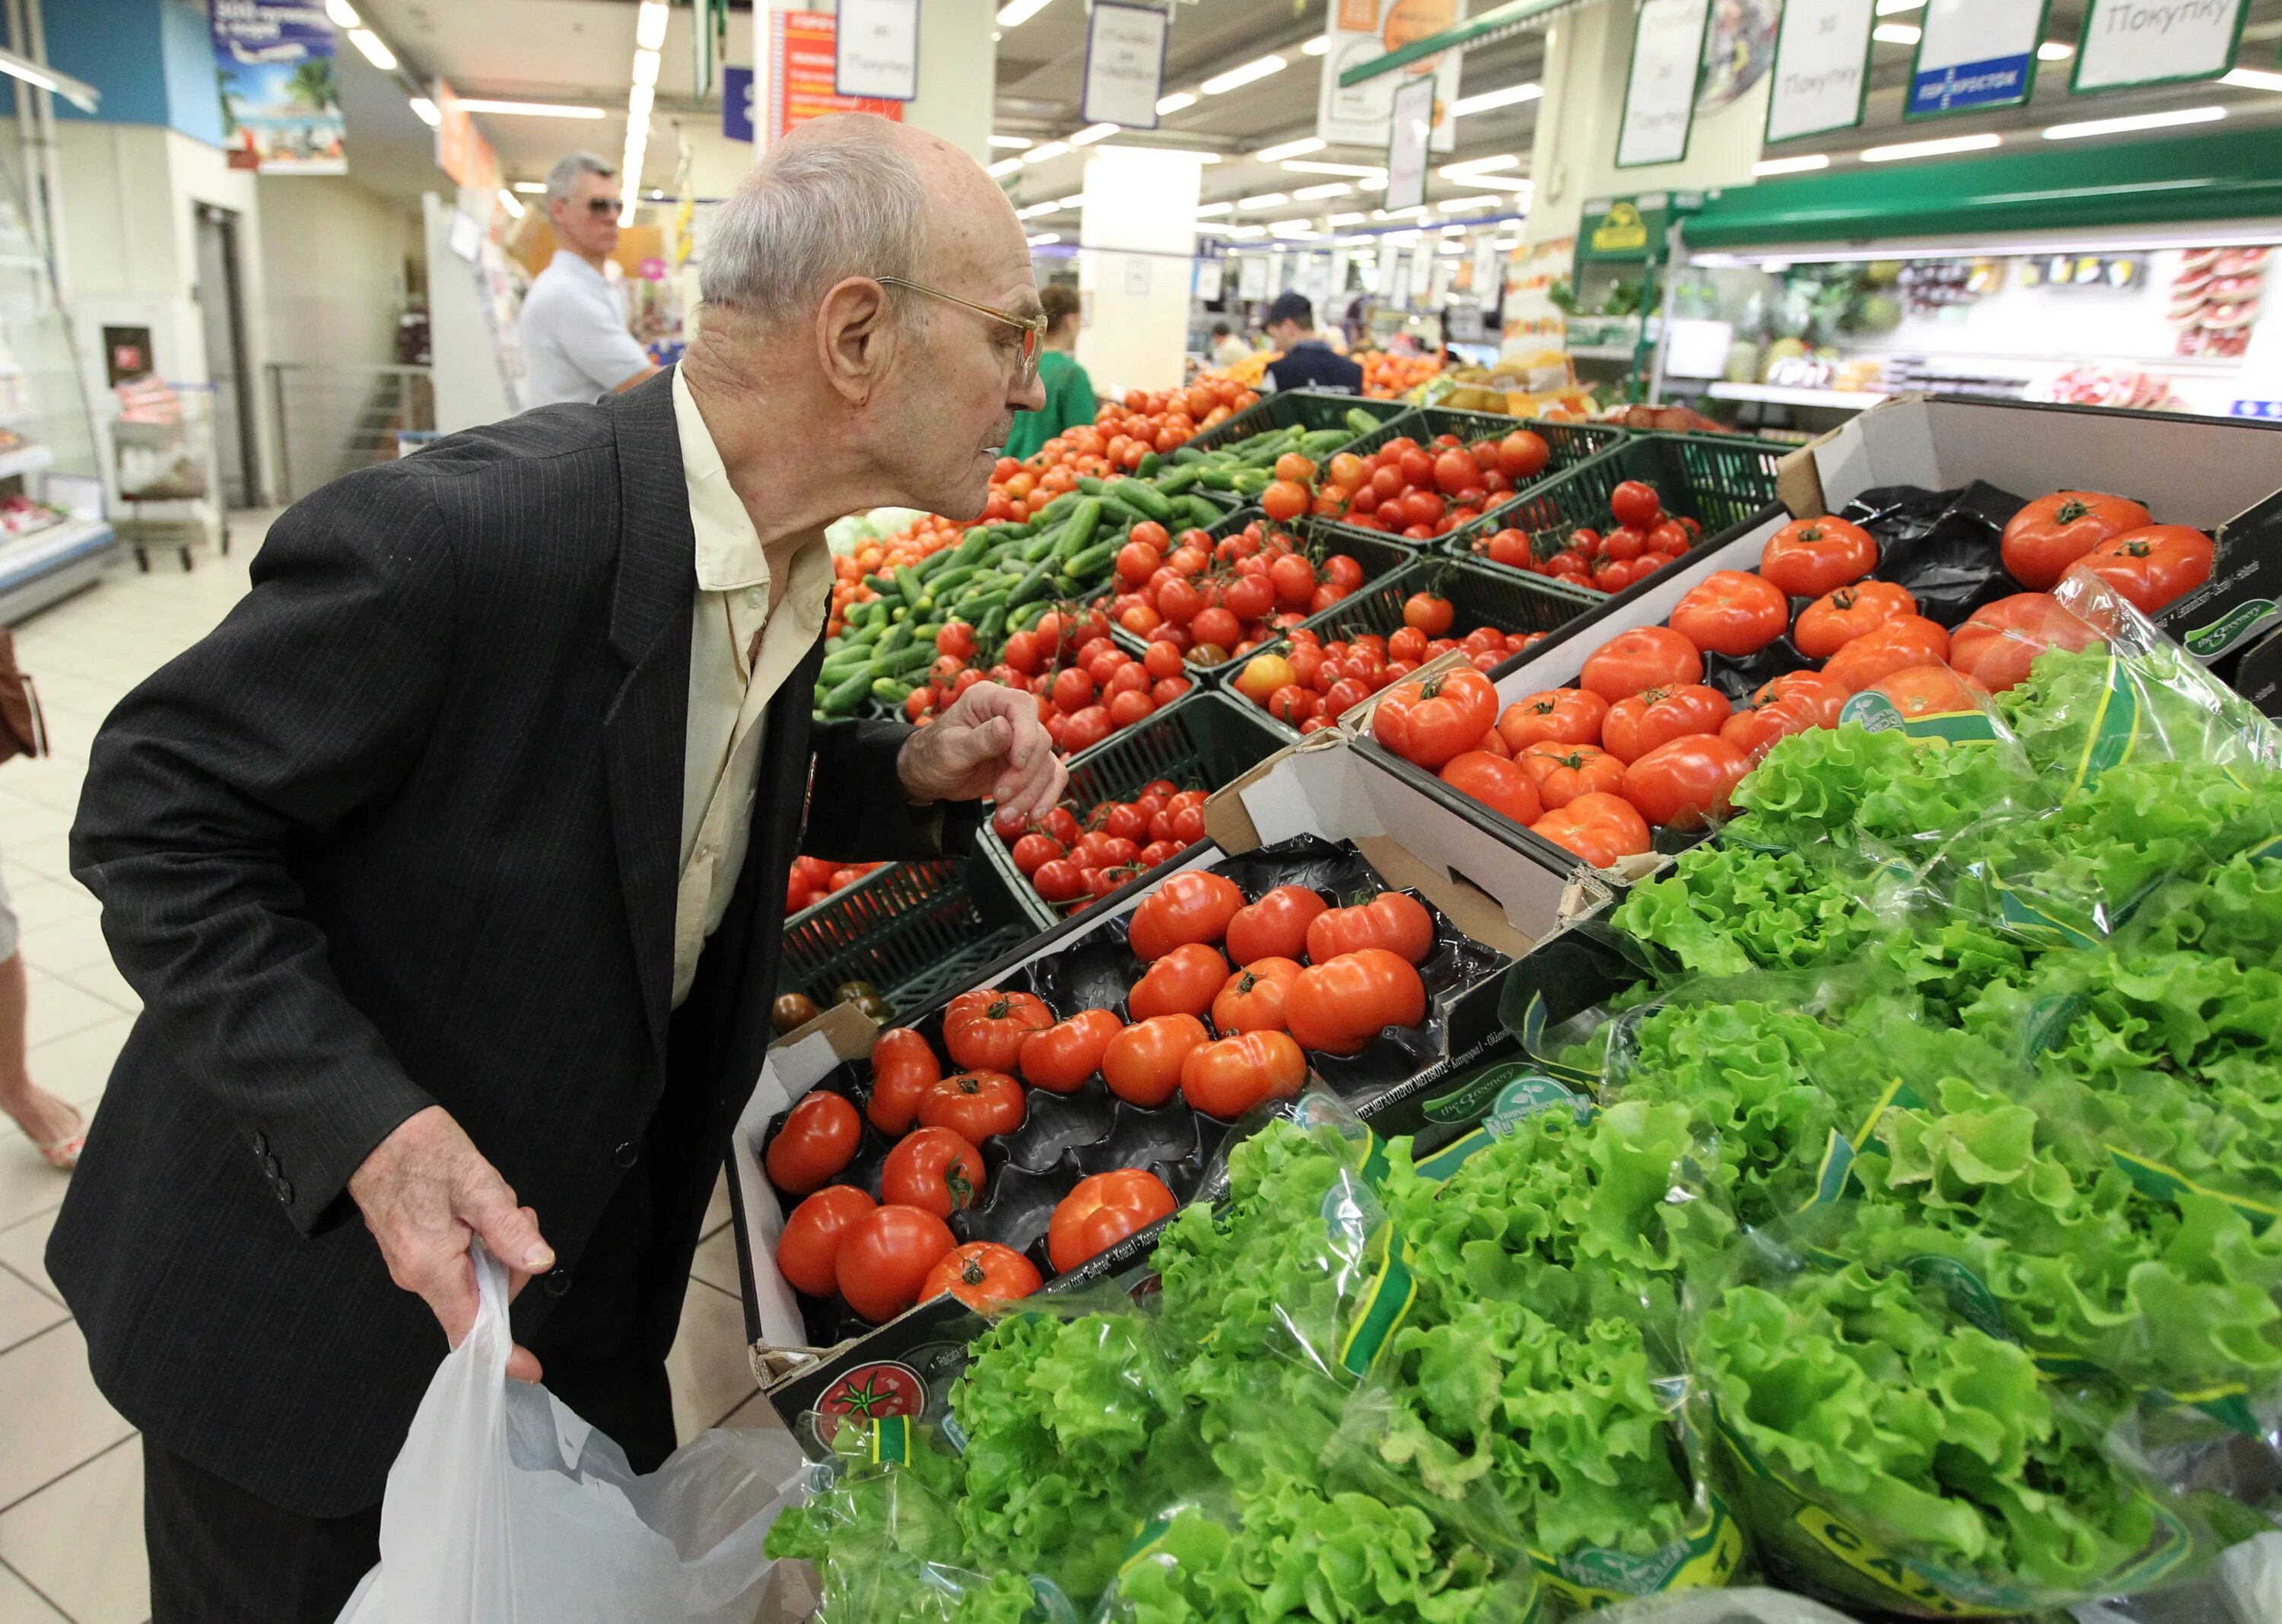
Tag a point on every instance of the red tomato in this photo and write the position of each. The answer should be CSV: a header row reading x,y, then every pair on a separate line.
x,y
903,1067
811,1237
1276,927
1058,880
1251,999
1063,1056
1840,616
2154,566
1284,501
1187,907
937,1169
1644,657
1732,612
1636,504
1227,1078
818,1137
1338,1005
1183,981
1394,921
1523,455
1599,828
1103,1210
1557,716
2052,532
886,1259
983,1275
1561,773
1822,697
1998,644
1759,728
983,1030
1428,721
1496,782
1034,851
974,1105
1897,645
1682,784
1641,722
1929,690
1428,612
1808,557
1143,1063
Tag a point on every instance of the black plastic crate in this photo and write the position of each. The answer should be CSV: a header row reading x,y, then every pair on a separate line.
x,y
1203,741
1302,408
1719,480
1510,599
914,930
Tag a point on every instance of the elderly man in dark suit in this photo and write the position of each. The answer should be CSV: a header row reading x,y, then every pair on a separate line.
x,y
450,869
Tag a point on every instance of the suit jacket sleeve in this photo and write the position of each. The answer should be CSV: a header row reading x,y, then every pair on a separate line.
x,y
859,812
311,699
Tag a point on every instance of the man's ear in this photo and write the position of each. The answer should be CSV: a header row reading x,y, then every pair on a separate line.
x,y
855,338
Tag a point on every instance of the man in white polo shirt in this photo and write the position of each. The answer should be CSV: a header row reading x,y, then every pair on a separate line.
x,y
576,347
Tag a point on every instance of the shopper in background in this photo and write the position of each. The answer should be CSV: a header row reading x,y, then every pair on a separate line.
x,y
54,1126
1227,348
451,868
576,347
1070,392
1307,362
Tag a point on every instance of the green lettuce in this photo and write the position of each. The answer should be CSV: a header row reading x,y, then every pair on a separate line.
x,y
1885,790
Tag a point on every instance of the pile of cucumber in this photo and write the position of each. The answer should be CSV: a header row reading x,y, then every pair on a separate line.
x,y
998,579
1246,467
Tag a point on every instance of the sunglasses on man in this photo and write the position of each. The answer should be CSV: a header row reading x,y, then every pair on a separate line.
x,y
601,208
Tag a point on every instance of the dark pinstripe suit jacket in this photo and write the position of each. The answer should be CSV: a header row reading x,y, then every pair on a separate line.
x,y
404,828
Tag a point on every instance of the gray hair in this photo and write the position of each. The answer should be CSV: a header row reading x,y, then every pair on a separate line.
x,y
564,178
838,201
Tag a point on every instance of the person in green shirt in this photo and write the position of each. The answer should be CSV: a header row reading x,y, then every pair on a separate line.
x,y
1070,392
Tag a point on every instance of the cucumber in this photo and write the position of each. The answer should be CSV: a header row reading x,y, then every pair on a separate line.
x,y
907,583
1088,565
1120,512
1023,618
989,629
1175,481
949,583
1218,476
1043,546
843,699
1202,513
1361,421
1322,443
1149,464
1031,586
1077,534
1187,454
899,635
1140,493
889,693
1061,505
1253,481
977,542
904,662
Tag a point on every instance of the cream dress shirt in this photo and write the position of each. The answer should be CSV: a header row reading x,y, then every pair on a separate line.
x,y
739,655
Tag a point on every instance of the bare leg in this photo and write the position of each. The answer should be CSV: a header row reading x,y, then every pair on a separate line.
x,y
48,1122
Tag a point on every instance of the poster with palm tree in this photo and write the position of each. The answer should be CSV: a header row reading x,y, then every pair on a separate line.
x,y
280,105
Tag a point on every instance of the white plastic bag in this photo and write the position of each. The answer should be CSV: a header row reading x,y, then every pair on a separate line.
x,y
505,1507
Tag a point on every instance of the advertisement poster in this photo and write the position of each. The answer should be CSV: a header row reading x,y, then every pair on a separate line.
x,y
737,104
462,152
281,99
802,58
1822,67
1660,91
2125,43
1362,31
1124,64
1975,53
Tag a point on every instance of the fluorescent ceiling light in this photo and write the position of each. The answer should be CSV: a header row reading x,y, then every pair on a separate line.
x,y
1173,102
1455,171
531,188
1036,209
1453,230
1291,227
1003,167
646,67
1376,183
1247,230
1931,149
1453,248
649,25
2054,50
1237,76
1016,13
512,203
627,215
1167,151
1308,165
639,100
1345,220
2139,120
426,112
344,14
2253,79
530,110
1896,32
1075,200
1507,244
1888,8
1045,237
1210,210
1318,46
1040,154
1292,149
1016,142
1266,200
1489,99
1398,213
1792,166
1488,200
1328,189
1093,133
375,49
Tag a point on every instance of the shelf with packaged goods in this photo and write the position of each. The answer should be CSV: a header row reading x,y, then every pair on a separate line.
x,y
1776,394
25,459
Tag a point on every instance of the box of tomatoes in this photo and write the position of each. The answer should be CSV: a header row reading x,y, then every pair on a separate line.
x,y
1028,1132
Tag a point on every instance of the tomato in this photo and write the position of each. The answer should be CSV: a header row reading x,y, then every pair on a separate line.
x,y
1496,782
1644,657
983,1275
1840,616
1227,1078
1103,1210
1276,927
1429,721
1557,716
1186,908
1561,773
974,1105
1683,784
1822,697
812,1235
1263,675
2154,566
1598,826
1429,612
1058,880
1732,612
1808,557
1636,504
1063,1056
937,1170
1284,501
1034,851
1454,471
1639,724
1897,645
983,1030
1338,1005
885,1259
1523,455
1348,470
2052,532
818,1138
1757,728
1392,921
1998,644
1161,661
903,1067
1295,467
1929,690
1251,999
1143,1063
1181,983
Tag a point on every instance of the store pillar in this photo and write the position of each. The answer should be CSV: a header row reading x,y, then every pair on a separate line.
x,y
1138,234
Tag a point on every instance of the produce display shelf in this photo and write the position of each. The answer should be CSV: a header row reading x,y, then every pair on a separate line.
x,y
913,930
1304,408
1204,740
1571,444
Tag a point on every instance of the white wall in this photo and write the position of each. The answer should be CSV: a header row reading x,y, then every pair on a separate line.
x,y
333,255
1139,221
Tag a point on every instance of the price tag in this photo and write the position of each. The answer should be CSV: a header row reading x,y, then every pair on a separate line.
x,y
1822,67
1124,64
1486,263
876,50
1660,88
1252,277
1975,53
2135,43
1406,148
1209,281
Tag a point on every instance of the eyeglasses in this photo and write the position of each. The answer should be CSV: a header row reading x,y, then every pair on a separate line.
x,y
1032,327
601,206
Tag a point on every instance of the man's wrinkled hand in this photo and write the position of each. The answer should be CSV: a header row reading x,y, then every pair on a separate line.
x,y
988,744
426,1192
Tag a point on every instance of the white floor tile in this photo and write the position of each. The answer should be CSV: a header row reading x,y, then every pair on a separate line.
x,y
105,982
80,1540
54,1419
28,1184
20,1603
24,1312
57,1009
716,1262
710,1371
65,945
76,1066
37,901
716,1210
23,1247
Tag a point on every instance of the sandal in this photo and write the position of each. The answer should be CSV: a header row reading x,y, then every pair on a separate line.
x,y
62,1154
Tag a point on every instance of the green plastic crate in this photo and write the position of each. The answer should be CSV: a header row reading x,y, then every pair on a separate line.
x,y
1719,480
914,930
1304,408
1203,741
1510,599
1572,445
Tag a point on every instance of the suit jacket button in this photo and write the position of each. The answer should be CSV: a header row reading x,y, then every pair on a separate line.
x,y
260,1144
285,1187
626,1154
269,1166
558,1281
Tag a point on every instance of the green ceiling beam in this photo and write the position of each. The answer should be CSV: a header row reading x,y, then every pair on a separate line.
x,y
1495,23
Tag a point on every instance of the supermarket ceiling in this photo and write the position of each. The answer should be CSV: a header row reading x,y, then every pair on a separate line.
x,y
579,51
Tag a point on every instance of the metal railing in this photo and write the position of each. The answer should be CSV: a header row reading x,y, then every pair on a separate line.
x,y
333,419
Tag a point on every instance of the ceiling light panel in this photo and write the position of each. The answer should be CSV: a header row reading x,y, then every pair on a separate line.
x,y
1291,149
1237,77
1506,98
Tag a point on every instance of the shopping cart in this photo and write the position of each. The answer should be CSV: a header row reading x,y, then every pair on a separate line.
x,y
167,469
